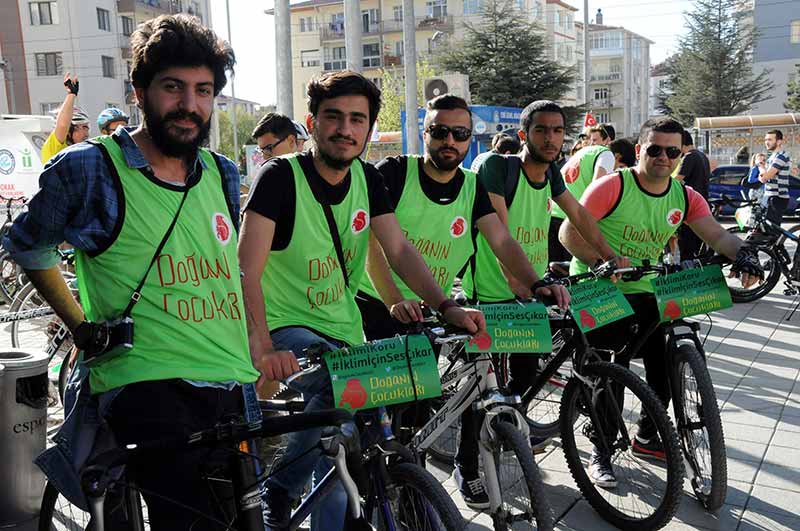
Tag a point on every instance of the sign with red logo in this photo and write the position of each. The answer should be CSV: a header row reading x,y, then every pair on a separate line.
x,y
572,172
359,221
675,216
458,227
222,228
522,328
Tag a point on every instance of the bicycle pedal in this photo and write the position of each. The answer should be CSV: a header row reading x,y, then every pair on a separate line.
x,y
791,292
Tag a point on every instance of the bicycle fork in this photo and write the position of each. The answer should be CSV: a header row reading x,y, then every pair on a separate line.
x,y
489,443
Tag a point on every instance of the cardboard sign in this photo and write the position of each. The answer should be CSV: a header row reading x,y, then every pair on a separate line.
x,y
516,328
376,374
691,292
596,303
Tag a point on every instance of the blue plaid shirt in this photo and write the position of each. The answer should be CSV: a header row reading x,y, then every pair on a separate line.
x,y
77,203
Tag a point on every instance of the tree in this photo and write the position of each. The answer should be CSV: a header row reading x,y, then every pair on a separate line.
x,y
712,73
245,123
792,103
393,96
504,56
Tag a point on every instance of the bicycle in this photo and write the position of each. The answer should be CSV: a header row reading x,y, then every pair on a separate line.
x,y
11,277
513,482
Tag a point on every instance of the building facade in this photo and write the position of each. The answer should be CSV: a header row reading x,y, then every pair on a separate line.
x,y
619,82
659,83
777,48
318,35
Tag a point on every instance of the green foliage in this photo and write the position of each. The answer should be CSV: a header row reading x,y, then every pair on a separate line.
x,y
712,73
245,123
792,103
393,97
506,60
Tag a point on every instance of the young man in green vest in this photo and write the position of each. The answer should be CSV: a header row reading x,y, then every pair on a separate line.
x,y
439,206
638,210
296,293
114,198
522,189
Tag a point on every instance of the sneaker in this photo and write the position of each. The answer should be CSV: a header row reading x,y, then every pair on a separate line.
x,y
648,448
539,444
472,489
277,508
601,472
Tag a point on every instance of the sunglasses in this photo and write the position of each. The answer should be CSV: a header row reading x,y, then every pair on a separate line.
x,y
654,151
269,147
440,132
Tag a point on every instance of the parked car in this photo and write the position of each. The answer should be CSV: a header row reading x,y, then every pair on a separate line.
x,y
727,179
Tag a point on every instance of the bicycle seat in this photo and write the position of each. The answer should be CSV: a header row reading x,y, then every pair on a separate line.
x,y
559,269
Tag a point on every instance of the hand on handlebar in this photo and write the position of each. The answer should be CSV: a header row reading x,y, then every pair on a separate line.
x,y
407,311
557,292
274,365
469,319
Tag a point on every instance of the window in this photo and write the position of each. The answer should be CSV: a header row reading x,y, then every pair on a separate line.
x,y
335,58
472,7
43,13
369,21
309,58
108,66
520,4
601,94
371,55
127,26
47,108
48,64
397,13
306,24
398,48
436,8
602,117
103,20
795,37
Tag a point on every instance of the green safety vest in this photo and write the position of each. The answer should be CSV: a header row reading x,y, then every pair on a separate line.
x,y
190,320
529,224
578,173
640,226
441,233
303,284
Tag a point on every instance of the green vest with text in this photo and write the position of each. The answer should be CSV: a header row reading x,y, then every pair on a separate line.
x,y
578,173
528,223
441,233
303,284
640,226
190,320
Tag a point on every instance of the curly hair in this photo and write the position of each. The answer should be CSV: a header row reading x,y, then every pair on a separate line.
x,y
178,40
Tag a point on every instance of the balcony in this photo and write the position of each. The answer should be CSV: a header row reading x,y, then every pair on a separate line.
x,y
604,103
339,64
333,31
435,23
392,60
392,26
613,76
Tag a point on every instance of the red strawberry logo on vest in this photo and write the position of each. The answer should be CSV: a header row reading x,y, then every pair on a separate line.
x,y
675,216
221,227
458,227
354,394
360,221
549,204
572,172
672,310
483,341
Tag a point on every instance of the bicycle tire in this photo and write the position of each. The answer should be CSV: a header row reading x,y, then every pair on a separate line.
x,y
511,439
410,485
791,247
542,410
574,404
772,274
57,513
9,284
445,446
711,490
29,333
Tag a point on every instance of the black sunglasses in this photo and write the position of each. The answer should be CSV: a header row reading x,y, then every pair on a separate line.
x,y
440,132
269,147
654,151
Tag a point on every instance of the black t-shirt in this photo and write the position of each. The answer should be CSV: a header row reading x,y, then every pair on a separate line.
x,y
393,170
494,170
273,194
696,171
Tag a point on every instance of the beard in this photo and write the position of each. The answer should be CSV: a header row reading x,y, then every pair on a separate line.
x,y
445,164
332,161
537,155
170,144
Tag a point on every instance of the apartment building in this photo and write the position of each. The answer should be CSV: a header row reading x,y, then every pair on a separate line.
x,y
318,34
224,102
659,82
41,40
619,82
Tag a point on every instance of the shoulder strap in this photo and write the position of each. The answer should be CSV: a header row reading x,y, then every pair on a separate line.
x,y
224,181
512,178
332,228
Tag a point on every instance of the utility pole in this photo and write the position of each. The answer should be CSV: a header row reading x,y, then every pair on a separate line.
x,y
283,53
410,68
233,92
587,62
352,35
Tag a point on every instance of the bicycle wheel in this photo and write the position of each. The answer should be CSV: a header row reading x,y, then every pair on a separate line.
x,y
647,495
35,332
445,446
542,409
772,274
521,487
416,501
792,248
9,278
57,513
700,427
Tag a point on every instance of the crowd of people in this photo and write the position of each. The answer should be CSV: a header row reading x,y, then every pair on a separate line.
x,y
141,204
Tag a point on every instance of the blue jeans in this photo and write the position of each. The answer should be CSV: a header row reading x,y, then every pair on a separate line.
x,y
318,394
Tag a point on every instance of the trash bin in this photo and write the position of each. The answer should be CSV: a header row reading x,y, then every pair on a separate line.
x,y
23,436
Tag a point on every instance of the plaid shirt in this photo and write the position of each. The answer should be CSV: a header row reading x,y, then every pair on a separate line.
x,y
77,203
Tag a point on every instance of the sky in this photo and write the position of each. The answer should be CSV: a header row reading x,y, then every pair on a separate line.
x,y
254,35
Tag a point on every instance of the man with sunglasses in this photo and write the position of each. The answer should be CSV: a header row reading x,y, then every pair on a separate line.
x,y
277,135
638,210
438,205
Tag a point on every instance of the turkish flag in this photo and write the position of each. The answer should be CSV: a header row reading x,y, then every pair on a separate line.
x,y
589,120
